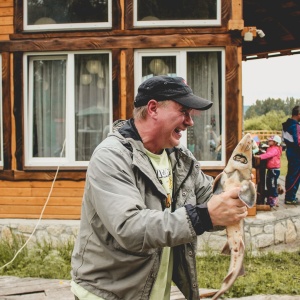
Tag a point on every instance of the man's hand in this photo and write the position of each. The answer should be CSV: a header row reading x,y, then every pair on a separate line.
x,y
226,208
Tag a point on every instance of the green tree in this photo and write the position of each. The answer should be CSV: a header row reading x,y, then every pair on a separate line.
x,y
270,121
274,119
262,107
290,103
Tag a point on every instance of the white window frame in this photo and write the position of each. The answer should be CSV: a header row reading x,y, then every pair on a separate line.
x,y
177,23
1,115
66,26
181,71
69,159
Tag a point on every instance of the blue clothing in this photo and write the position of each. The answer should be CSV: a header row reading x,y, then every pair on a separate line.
x,y
291,136
271,182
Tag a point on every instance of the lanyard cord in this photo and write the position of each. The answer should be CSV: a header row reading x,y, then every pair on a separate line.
x,y
293,183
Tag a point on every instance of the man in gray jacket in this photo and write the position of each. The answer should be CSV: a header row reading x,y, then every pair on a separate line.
x,y
145,202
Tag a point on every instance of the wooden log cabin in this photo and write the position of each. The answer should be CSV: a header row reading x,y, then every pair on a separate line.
x,y
71,68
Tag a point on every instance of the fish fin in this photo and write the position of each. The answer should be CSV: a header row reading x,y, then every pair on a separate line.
x,y
248,193
242,271
217,185
226,249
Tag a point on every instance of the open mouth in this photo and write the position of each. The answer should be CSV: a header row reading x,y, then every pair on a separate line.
x,y
241,158
178,132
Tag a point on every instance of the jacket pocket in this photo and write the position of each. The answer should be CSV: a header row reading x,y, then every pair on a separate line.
x,y
118,247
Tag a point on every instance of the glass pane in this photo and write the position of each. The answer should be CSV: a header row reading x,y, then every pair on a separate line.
x,y
66,11
176,10
158,65
91,102
204,75
49,107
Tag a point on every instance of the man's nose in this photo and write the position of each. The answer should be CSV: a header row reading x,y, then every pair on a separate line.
x,y
188,120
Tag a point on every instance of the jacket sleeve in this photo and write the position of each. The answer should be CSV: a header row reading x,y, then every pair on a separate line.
x,y
271,152
291,135
200,217
113,195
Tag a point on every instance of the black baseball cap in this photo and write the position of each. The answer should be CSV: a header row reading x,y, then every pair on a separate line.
x,y
163,87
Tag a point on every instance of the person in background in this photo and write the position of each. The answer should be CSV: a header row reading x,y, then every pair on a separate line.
x,y
291,137
145,201
273,157
255,148
214,143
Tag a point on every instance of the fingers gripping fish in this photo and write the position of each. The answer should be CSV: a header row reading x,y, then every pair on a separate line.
x,y
237,173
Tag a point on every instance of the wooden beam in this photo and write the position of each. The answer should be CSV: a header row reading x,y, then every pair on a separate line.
x,y
239,96
123,85
41,184
12,116
7,109
233,118
122,6
16,175
115,42
75,216
236,21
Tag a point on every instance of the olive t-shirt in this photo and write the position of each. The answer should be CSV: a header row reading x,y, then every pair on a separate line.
x,y
162,286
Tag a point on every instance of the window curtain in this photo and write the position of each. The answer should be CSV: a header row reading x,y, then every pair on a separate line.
x,y
203,75
158,65
49,107
91,103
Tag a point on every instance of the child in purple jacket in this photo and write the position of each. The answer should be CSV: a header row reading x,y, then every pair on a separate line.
x,y
272,155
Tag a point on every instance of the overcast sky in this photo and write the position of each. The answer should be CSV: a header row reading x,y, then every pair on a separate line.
x,y
274,77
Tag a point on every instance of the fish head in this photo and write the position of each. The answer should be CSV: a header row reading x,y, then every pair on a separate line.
x,y
241,157
238,171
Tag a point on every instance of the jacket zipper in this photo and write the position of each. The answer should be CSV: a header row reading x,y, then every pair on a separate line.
x,y
177,192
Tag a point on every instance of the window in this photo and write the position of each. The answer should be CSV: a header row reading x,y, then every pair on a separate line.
x,y
159,13
71,14
1,123
69,108
204,71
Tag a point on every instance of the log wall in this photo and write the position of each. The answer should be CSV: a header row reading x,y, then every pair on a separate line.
x,y
26,199
24,192
6,19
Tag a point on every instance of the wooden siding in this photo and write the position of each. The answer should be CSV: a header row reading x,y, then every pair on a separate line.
x,y
26,199
23,190
6,19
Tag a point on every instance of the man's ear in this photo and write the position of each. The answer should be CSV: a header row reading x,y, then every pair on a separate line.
x,y
152,108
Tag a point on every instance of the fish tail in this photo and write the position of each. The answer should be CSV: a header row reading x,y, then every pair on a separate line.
x,y
236,269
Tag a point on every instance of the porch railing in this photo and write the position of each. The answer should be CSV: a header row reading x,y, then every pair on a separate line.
x,y
263,135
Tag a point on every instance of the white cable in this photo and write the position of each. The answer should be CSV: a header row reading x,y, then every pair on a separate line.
x,y
41,215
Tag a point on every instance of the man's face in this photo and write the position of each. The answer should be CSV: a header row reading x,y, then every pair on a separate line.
x,y
173,118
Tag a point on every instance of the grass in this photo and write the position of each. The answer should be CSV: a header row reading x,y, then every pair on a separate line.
x,y
42,261
270,273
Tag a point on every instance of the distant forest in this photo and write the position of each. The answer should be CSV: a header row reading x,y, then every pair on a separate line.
x,y
269,114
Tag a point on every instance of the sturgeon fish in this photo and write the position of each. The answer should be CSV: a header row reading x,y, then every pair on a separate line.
x,y
237,173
